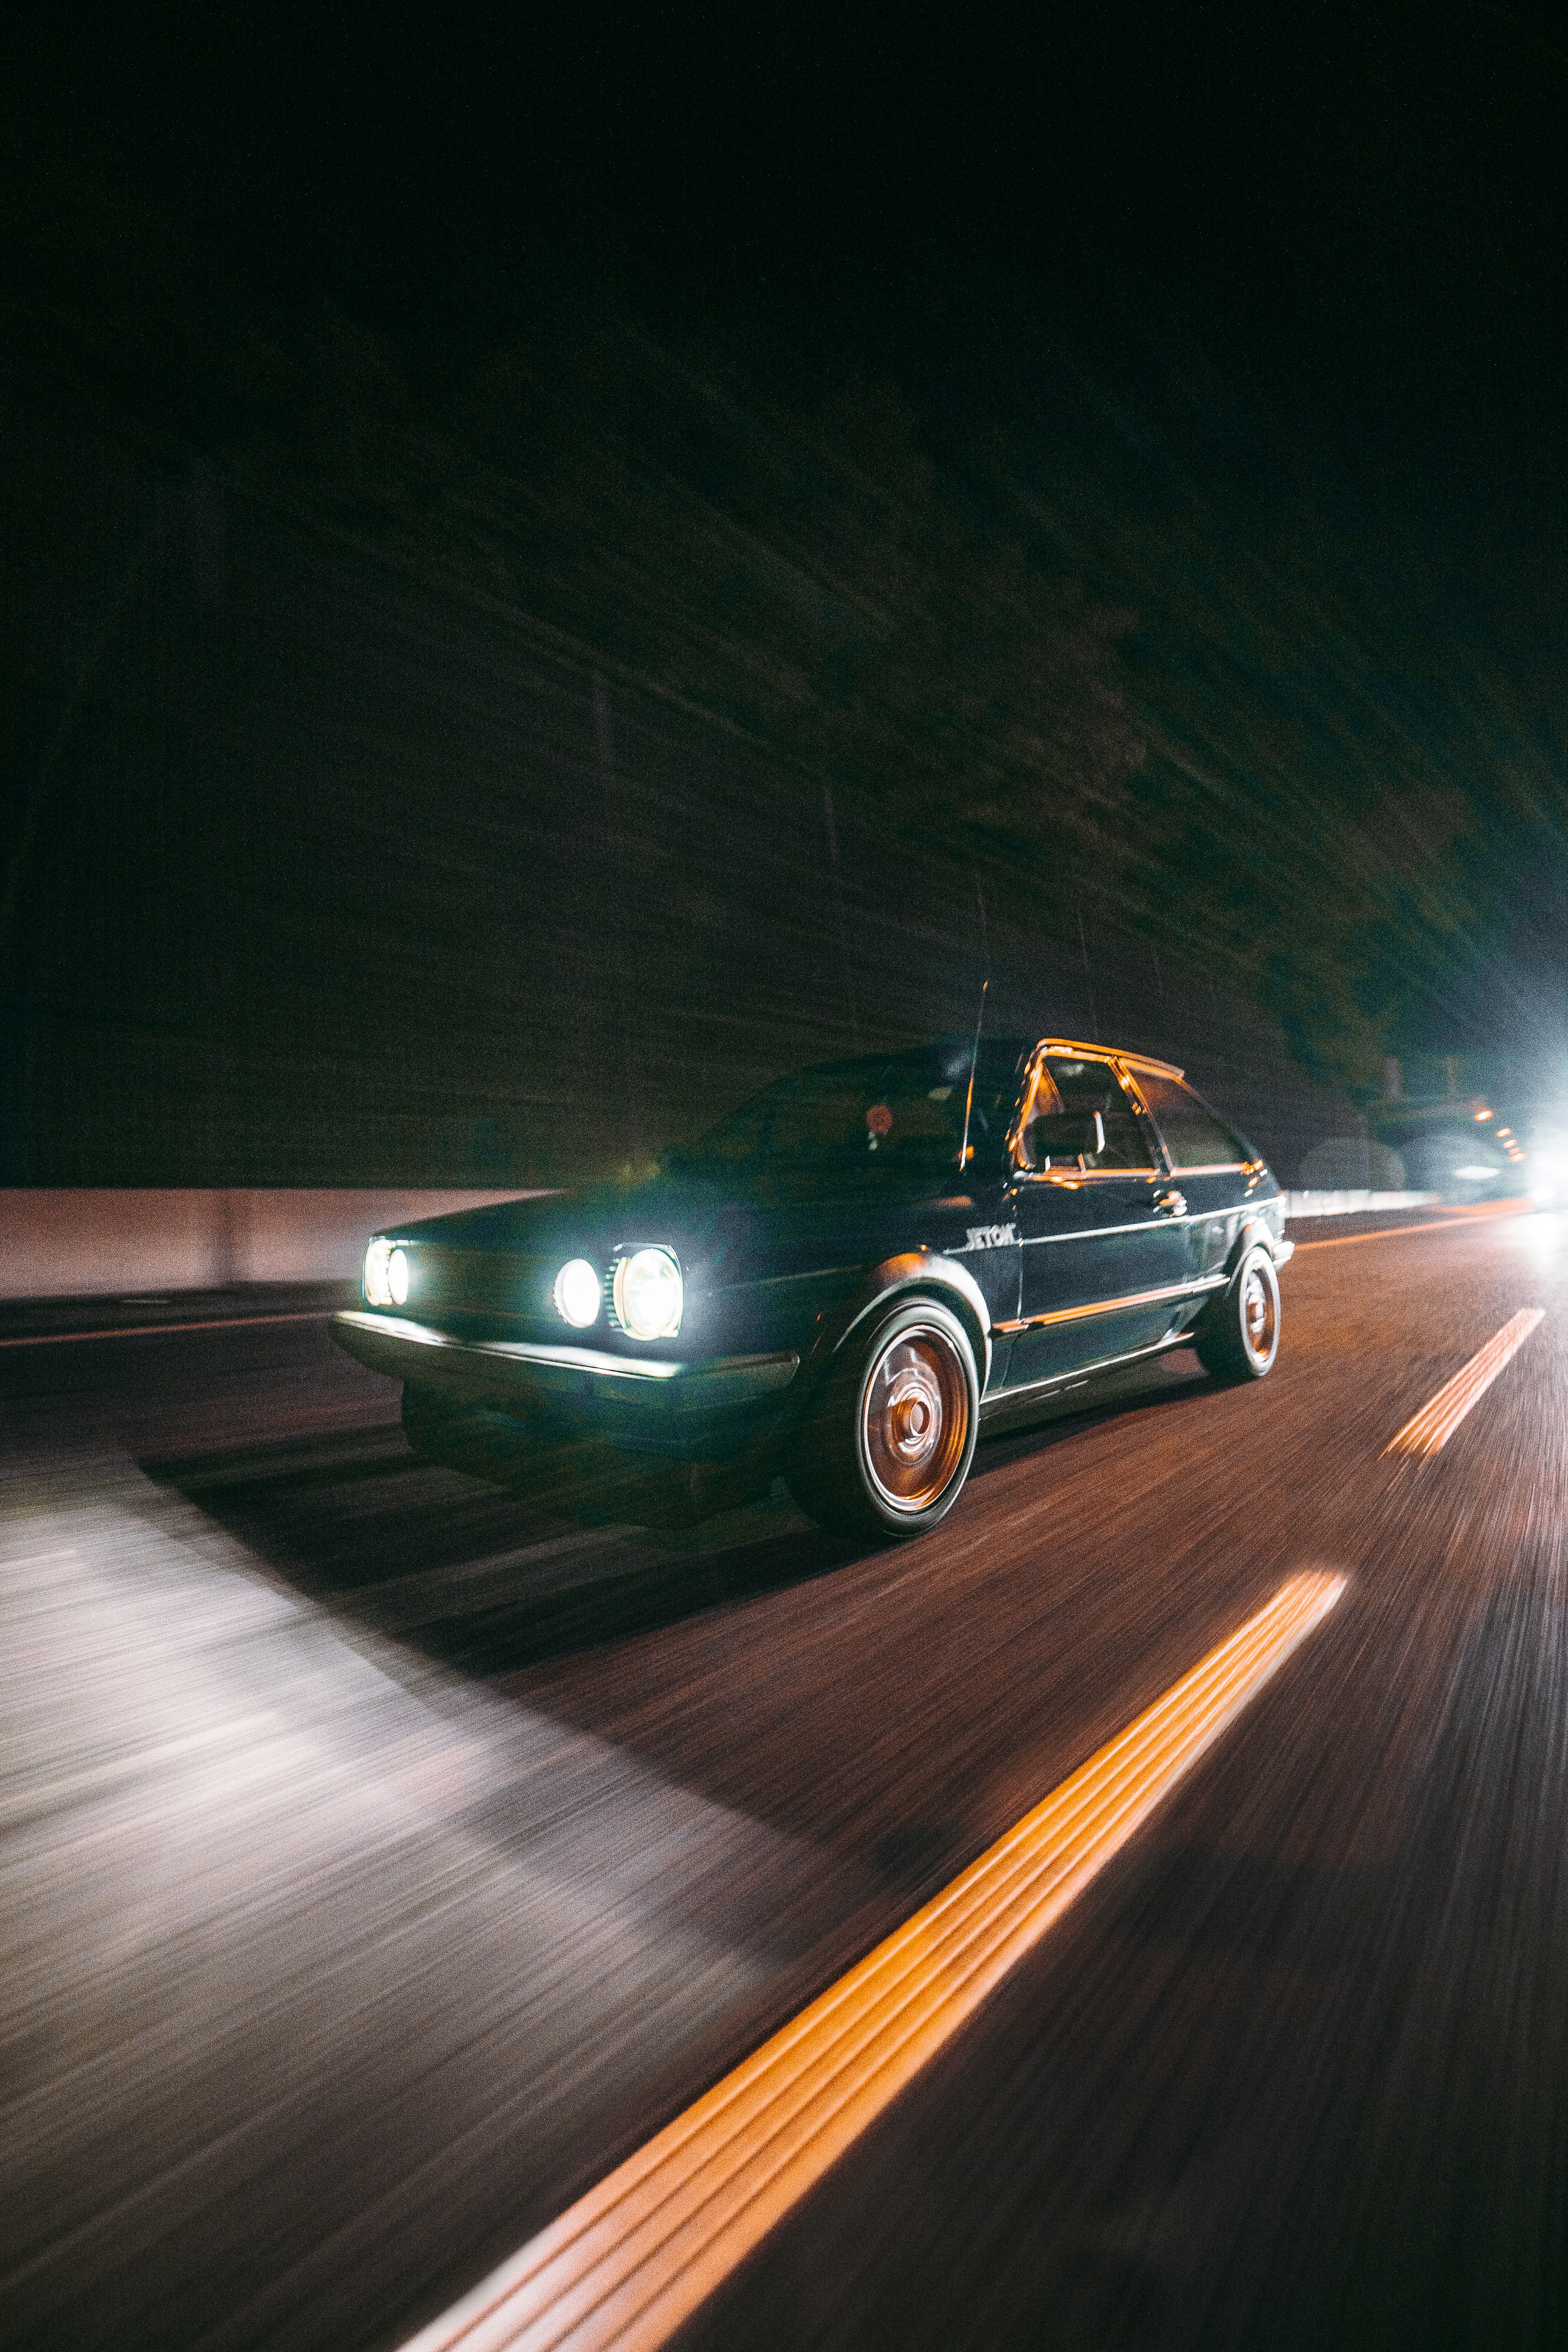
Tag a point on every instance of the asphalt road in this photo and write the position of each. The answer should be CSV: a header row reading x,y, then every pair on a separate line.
x,y
382,1861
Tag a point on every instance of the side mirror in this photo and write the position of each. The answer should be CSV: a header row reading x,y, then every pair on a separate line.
x,y
1064,1135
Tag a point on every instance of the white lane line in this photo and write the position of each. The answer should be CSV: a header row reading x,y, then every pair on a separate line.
x,y
1438,1418
153,1330
622,2269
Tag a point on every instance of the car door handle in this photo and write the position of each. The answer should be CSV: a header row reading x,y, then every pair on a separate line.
x,y
1170,1204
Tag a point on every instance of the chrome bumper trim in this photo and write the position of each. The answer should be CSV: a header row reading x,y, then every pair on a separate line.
x,y
409,1351
521,1352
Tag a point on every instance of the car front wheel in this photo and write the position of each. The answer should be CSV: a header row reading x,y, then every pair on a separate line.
x,y
1238,1338
888,1448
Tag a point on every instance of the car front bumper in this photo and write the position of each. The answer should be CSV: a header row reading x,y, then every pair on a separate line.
x,y
629,1395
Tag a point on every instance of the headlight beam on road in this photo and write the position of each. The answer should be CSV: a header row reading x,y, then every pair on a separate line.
x,y
631,2261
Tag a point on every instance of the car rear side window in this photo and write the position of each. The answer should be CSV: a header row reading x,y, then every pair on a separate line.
x,y
1194,1137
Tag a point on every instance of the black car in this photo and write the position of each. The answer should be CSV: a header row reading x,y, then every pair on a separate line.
x,y
842,1281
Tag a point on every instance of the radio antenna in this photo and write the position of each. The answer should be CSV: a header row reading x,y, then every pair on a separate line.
x,y
973,1061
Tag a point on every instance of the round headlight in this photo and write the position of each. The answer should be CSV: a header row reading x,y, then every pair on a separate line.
x,y
649,1294
375,1262
397,1276
577,1293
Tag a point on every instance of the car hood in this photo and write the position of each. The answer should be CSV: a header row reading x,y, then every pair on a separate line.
x,y
720,1230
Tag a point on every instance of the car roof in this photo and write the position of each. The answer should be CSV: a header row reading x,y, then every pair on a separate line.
x,y
1109,1053
994,1051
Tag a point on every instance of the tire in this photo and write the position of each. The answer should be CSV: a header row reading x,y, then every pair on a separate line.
x,y
890,1438
1238,1338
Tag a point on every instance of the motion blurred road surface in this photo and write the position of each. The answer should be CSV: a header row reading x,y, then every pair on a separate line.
x,y
384,1861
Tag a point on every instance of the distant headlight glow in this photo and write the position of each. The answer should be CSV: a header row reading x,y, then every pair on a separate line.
x,y
377,1290
649,1294
577,1293
1476,1175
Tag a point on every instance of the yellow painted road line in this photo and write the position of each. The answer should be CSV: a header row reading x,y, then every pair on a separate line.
x,y
631,2261
1441,1415
1461,1221
157,1330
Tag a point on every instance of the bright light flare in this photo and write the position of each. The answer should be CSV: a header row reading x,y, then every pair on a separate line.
x,y
577,1293
1549,1170
649,1294
377,1288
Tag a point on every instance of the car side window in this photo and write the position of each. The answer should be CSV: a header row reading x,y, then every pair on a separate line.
x,y
1093,1107
1191,1134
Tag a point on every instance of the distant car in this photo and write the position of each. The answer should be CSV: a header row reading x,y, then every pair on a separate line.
x,y
843,1281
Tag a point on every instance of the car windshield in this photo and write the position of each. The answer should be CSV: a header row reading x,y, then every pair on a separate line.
x,y
878,1118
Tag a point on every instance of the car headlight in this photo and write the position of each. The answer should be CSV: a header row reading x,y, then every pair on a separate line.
x,y
386,1274
649,1295
377,1289
577,1293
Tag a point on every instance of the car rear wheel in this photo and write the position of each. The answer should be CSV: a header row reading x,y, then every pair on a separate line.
x,y
888,1447
1238,1338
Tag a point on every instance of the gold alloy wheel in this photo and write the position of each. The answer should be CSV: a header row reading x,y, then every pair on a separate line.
x,y
914,1418
1259,1314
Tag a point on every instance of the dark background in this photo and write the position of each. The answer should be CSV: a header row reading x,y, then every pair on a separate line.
x,y
559,567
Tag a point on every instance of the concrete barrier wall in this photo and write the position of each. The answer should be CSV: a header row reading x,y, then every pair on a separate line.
x,y
94,1245
1350,1204
85,1244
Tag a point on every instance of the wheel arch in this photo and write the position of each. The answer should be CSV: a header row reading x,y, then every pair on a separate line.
x,y
1254,1232
924,1274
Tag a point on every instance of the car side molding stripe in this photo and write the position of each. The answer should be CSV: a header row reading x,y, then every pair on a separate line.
x,y
1148,1225
1110,1306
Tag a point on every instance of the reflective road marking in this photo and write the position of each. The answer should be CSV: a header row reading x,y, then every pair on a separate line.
x,y
1437,1420
1456,1221
632,2260
156,1330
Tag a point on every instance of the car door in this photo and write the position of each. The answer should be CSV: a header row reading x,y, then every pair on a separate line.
x,y
1211,1167
1104,1254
